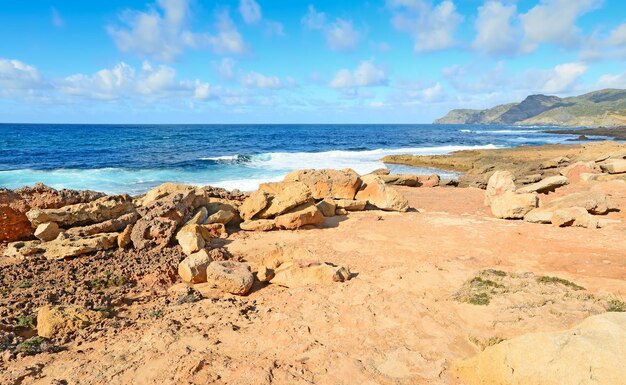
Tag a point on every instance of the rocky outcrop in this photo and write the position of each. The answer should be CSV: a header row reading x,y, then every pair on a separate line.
x,y
283,197
545,185
400,179
102,209
307,214
499,183
594,202
327,207
110,226
511,205
258,225
59,321
193,268
377,193
191,238
590,353
350,205
230,277
254,204
327,183
64,247
614,166
574,216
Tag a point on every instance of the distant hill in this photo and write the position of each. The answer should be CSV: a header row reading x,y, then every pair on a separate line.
x,y
599,108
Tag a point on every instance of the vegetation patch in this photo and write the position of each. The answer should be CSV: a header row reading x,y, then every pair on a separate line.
x,y
24,284
479,289
485,343
616,305
27,321
554,280
108,281
35,345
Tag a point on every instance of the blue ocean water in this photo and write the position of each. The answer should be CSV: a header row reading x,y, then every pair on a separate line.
x,y
134,158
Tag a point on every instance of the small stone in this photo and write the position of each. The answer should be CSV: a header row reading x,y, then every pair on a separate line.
x,y
258,225
193,268
123,239
58,321
230,276
190,238
327,206
341,212
47,231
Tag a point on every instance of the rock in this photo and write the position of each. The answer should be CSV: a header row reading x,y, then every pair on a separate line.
x,y
299,273
341,212
221,216
591,353
253,205
592,201
351,205
23,249
574,216
123,239
601,177
449,182
14,225
214,230
498,184
428,180
199,217
191,239
380,171
278,255
555,162
64,247
327,183
160,220
284,196
575,170
100,210
258,225
546,185
510,205
400,179
307,214
59,321
163,190
47,231
614,166
230,276
110,226
377,193
528,179
327,206
193,268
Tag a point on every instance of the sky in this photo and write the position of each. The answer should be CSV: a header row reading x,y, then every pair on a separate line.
x,y
262,61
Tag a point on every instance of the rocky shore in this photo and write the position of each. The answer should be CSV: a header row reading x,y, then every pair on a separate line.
x,y
328,277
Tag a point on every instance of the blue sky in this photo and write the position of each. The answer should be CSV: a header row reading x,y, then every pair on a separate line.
x,y
261,61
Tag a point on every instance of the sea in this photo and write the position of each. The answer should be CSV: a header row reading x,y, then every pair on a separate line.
x,y
134,158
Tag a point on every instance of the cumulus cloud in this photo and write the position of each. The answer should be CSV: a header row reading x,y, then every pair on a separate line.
x,y
16,75
258,80
366,74
226,68
495,33
228,40
432,27
250,11
612,81
340,34
562,77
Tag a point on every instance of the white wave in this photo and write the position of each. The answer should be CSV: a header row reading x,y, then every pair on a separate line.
x,y
222,158
510,132
466,131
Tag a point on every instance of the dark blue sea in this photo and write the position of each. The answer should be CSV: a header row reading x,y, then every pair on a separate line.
x,y
134,158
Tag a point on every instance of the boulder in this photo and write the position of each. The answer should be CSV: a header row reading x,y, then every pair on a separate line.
x,y
14,225
614,166
380,171
299,273
199,217
64,247
110,226
351,205
539,216
254,204
307,214
511,205
230,276
400,179
258,225
123,239
592,201
327,206
588,177
528,179
499,183
591,353
555,162
277,255
221,216
428,180
23,249
193,268
59,321
574,170
100,210
191,239
160,220
341,212
327,183
163,190
377,193
574,216
284,196
545,185
47,231
214,230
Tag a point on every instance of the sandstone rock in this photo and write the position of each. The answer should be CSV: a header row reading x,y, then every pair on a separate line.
x,y
193,268
545,185
22,249
253,205
299,273
47,231
64,247
14,225
539,216
587,177
449,182
163,190
100,210
555,162
284,196
498,184
428,180
59,321
221,216
593,202
190,238
199,217
351,205
327,206
341,212
614,166
327,183
123,239
510,205
110,226
214,230
307,214
574,216
230,276
400,179
258,225
278,255
574,170
374,191
528,179
380,171
157,226
591,353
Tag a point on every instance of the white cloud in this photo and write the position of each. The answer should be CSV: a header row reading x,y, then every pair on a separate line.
x,y
257,80
226,68
612,81
19,76
250,11
228,39
553,21
562,77
340,34
432,27
274,28
367,74
56,18
618,35
495,34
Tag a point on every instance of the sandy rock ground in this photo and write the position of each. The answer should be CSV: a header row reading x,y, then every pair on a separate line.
x,y
401,320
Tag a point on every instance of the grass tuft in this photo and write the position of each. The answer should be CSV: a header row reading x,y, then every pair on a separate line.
x,y
616,305
27,321
551,280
